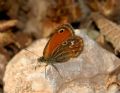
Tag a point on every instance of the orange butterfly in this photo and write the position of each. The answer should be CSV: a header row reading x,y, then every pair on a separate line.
x,y
62,46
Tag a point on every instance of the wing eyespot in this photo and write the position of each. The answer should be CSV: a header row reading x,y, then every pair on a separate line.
x,y
61,30
65,43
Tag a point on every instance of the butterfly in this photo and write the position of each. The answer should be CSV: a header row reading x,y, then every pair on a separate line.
x,y
62,46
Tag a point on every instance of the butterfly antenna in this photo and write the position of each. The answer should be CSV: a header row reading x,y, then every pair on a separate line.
x,y
32,52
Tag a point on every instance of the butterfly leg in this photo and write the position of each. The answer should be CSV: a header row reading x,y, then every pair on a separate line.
x,y
56,70
45,70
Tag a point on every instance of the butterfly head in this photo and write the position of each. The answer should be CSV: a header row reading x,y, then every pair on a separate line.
x,y
42,59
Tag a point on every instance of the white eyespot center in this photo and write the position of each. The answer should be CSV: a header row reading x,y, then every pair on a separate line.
x,y
72,43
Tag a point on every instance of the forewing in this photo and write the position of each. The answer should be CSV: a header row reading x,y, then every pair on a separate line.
x,y
61,34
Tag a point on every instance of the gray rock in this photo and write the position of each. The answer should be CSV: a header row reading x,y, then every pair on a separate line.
x,y
87,73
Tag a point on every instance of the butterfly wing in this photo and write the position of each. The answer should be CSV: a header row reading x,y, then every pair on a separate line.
x,y
68,49
61,34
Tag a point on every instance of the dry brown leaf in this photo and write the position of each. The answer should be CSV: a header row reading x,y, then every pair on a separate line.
x,y
109,30
106,7
92,4
4,52
59,13
8,44
5,25
6,38
102,42
23,39
113,77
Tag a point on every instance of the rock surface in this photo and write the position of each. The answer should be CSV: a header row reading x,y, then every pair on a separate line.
x,y
88,73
